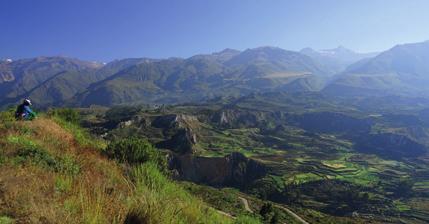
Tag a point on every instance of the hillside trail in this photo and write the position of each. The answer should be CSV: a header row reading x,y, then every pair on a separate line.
x,y
290,212
246,204
293,214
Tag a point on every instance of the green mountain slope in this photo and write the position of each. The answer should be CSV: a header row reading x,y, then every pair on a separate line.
x,y
57,80
53,81
22,77
204,76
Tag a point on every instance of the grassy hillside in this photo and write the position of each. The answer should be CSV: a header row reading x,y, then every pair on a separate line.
x,y
52,171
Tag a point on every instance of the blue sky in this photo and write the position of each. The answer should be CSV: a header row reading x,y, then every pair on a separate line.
x,y
104,30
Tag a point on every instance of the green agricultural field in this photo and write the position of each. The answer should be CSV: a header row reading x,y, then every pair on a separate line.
x,y
325,159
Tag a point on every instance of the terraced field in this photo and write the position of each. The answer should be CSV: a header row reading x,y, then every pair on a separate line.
x,y
319,160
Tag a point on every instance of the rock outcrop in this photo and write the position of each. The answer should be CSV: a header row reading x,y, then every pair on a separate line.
x,y
234,170
182,142
180,132
236,118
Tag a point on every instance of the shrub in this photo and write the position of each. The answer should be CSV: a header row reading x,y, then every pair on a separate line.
x,y
268,214
135,150
36,155
67,165
41,157
29,151
6,220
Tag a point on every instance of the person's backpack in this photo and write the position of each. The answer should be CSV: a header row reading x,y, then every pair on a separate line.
x,y
19,111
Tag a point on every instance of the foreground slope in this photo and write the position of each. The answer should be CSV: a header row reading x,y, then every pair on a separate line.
x,y
52,172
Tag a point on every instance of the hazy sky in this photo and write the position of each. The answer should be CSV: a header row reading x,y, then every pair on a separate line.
x,y
107,29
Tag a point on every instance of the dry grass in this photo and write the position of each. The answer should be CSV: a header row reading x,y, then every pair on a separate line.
x,y
87,188
32,194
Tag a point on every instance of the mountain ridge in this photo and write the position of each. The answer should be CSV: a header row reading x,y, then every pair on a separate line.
x,y
55,81
149,80
400,70
336,59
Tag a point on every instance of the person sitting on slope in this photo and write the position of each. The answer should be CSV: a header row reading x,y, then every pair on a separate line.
x,y
24,112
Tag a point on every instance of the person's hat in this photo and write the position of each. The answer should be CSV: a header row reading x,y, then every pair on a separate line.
x,y
28,101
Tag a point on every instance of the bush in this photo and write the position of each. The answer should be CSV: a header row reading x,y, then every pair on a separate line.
x,y
6,220
29,151
269,214
134,150
37,156
67,165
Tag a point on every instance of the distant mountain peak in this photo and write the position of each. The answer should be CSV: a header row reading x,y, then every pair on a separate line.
x,y
336,59
227,51
338,50
265,48
341,47
7,60
226,54
307,49
400,70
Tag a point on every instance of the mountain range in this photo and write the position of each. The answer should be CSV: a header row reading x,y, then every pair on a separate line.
x,y
401,70
337,59
55,81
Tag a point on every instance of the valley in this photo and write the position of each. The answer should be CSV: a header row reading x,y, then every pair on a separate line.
x,y
337,160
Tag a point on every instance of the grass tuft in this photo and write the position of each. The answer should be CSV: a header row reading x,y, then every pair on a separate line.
x,y
6,220
163,201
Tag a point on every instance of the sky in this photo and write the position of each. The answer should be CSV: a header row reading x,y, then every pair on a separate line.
x,y
104,30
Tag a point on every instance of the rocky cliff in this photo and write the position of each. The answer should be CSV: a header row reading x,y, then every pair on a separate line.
x,y
234,170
